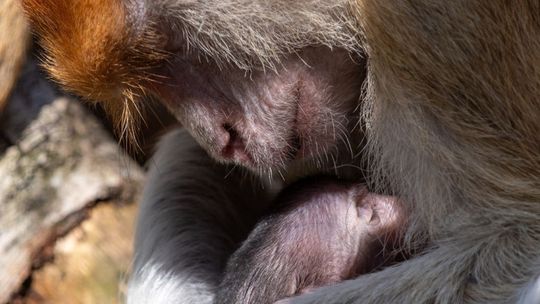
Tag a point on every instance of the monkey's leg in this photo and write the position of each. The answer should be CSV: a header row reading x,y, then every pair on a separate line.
x,y
192,217
457,271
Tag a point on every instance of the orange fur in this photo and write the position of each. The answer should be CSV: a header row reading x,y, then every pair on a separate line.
x,y
82,48
94,51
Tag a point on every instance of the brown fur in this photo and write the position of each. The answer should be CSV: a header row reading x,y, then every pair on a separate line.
x,y
118,64
453,101
14,34
88,66
110,66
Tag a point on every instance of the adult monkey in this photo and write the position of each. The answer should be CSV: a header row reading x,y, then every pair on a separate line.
x,y
451,110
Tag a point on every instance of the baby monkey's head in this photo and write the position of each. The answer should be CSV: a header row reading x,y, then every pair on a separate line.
x,y
323,231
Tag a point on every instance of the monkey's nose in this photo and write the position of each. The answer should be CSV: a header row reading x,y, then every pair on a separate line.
x,y
234,147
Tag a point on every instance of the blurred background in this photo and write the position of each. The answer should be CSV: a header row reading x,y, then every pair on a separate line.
x,y
68,188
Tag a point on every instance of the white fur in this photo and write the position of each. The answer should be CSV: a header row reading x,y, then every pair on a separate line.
x,y
531,294
155,285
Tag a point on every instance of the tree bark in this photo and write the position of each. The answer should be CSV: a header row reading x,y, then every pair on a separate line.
x,y
57,163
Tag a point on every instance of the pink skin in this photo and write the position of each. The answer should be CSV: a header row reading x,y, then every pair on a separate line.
x,y
300,117
328,231
267,120
378,221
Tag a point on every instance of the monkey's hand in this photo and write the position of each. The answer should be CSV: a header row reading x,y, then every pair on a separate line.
x,y
457,271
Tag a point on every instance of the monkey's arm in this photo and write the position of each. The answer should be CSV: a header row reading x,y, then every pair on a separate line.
x,y
191,219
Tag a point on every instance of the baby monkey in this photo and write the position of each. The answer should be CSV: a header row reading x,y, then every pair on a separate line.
x,y
323,231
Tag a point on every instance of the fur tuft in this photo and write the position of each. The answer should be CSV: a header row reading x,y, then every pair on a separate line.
x,y
96,49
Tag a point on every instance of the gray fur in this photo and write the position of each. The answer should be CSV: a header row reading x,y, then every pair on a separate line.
x,y
452,113
258,33
451,110
191,218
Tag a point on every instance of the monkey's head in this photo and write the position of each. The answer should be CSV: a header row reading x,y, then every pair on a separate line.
x,y
263,84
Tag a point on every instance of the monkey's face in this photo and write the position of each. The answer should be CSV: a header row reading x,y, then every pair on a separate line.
x,y
293,108
300,113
